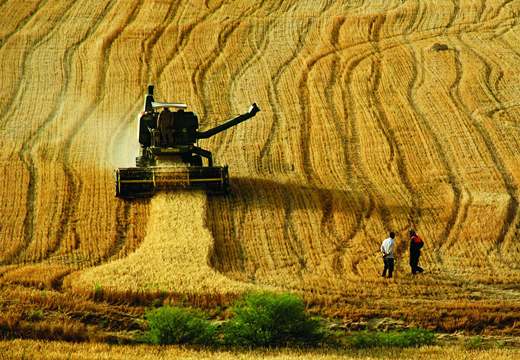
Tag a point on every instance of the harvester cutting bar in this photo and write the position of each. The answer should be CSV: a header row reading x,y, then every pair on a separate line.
x,y
141,182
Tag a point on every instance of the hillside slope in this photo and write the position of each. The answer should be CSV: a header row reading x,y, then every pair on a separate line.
x,y
367,126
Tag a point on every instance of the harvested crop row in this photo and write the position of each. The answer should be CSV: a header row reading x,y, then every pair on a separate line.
x,y
173,255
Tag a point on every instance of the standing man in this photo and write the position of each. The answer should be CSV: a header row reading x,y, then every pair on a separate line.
x,y
387,248
415,252
164,124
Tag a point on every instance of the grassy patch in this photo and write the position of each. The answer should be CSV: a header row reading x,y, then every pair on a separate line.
x,y
414,337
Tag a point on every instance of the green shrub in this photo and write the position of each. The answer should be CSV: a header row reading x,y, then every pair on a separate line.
x,y
169,325
97,291
480,343
413,337
270,320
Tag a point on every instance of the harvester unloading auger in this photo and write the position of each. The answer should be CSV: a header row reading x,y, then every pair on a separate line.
x,y
170,157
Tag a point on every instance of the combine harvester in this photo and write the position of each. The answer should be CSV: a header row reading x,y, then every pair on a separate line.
x,y
170,156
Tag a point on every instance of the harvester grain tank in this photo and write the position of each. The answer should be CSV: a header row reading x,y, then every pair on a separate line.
x,y
170,157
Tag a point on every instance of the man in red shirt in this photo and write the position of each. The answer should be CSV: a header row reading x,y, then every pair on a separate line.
x,y
415,252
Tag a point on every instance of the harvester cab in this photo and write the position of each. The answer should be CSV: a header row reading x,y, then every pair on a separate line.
x,y
170,157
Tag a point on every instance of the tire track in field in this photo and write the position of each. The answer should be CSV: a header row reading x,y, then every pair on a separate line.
x,y
304,98
494,12
184,37
349,140
453,175
506,176
341,240
420,13
73,182
354,47
149,43
125,209
453,89
123,214
372,204
356,164
487,16
288,194
291,197
374,38
463,212
480,10
148,46
383,121
263,160
405,178
500,38
328,196
25,152
459,104
18,92
222,43
385,126
460,211
68,218
21,24
11,95
284,189
74,179
414,85
261,50
223,262
30,160
201,73
379,114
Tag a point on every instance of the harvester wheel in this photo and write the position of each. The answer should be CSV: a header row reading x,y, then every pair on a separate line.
x,y
141,161
195,160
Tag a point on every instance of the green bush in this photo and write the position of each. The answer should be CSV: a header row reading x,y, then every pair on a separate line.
x,y
413,337
169,325
270,320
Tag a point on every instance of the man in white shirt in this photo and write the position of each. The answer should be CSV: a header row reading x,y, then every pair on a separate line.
x,y
387,248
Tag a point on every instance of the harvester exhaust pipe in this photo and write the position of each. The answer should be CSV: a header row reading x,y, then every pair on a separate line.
x,y
148,100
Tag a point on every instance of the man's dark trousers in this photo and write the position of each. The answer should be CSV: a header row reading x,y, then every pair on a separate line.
x,y
414,263
389,265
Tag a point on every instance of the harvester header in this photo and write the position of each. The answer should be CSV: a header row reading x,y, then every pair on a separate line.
x,y
170,157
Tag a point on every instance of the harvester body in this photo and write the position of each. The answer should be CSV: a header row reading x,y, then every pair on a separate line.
x,y
170,157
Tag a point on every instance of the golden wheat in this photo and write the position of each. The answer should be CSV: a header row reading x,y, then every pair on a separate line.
x,y
169,258
20,349
366,128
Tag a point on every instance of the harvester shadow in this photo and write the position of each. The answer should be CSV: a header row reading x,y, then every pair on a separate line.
x,y
269,207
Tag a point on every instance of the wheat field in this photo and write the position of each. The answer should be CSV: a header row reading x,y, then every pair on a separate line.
x,y
376,116
22,349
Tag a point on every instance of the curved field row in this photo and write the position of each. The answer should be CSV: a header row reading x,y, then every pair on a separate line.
x,y
365,128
